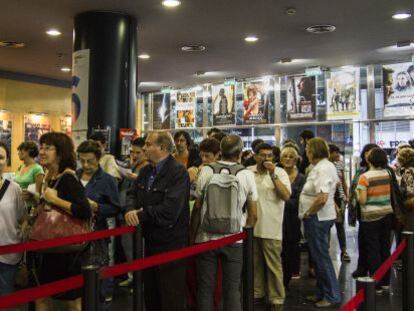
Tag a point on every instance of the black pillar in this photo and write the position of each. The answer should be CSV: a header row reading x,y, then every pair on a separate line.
x,y
112,42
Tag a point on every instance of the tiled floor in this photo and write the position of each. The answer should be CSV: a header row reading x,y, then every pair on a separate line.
x,y
305,286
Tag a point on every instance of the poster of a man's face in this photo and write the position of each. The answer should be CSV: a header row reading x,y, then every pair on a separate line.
x,y
398,86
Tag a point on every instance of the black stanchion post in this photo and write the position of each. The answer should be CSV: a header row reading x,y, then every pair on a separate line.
x,y
368,284
138,253
90,298
248,266
408,272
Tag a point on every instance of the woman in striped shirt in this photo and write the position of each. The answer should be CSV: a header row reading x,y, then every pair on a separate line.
x,y
374,196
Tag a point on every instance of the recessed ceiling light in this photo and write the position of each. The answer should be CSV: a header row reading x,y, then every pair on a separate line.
x,y
53,32
171,3
251,39
318,29
144,56
11,44
65,69
401,15
193,48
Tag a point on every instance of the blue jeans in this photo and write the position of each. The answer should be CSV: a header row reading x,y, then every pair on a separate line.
x,y
317,234
7,278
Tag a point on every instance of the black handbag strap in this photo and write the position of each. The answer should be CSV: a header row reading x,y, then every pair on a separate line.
x,y
3,189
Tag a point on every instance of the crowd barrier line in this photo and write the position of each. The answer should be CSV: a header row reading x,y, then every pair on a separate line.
x,y
359,297
74,239
57,287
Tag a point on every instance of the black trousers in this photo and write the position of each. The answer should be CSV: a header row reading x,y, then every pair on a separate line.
x,y
290,260
164,287
376,237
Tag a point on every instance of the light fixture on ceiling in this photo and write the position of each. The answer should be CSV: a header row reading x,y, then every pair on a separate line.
x,y
402,44
53,32
11,44
251,39
286,60
291,11
319,29
401,15
144,56
171,3
193,48
65,69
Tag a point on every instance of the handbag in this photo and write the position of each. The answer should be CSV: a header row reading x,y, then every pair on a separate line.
x,y
52,222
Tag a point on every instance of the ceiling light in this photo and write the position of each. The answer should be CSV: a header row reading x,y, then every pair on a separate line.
x,y
193,48
318,29
401,15
171,3
65,69
53,32
251,39
144,56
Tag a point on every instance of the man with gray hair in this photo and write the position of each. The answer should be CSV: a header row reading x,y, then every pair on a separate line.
x,y
158,200
226,198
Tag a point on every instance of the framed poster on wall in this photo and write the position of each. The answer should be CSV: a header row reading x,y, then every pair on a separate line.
x,y
161,110
35,125
223,104
254,104
301,99
343,95
6,131
398,81
66,125
185,109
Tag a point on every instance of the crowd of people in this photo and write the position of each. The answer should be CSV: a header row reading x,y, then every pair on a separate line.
x,y
183,194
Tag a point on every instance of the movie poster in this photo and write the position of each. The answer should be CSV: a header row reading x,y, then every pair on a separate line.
x,y
255,103
6,131
185,109
301,100
161,109
35,125
127,136
106,132
343,95
66,125
398,80
223,105
80,95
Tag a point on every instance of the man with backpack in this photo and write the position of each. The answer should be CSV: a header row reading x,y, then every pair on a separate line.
x,y
226,198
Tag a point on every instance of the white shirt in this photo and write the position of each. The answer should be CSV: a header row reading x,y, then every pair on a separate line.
x,y
322,178
270,208
248,191
12,210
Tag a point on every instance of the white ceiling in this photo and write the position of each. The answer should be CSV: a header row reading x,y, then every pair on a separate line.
x,y
364,29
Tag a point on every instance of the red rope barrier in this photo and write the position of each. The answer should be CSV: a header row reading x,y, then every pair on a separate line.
x,y
34,293
30,294
386,265
160,259
355,302
74,239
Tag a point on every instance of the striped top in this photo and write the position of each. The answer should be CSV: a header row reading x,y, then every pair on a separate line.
x,y
377,184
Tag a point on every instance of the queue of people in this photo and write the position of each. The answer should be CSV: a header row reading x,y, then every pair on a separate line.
x,y
183,194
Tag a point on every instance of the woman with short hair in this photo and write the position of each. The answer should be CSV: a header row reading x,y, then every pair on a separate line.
x,y
374,196
317,209
12,212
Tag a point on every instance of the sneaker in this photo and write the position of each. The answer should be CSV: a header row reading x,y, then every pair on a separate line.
x,y
379,291
108,299
385,287
313,298
345,257
125,283
325,304
295,276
